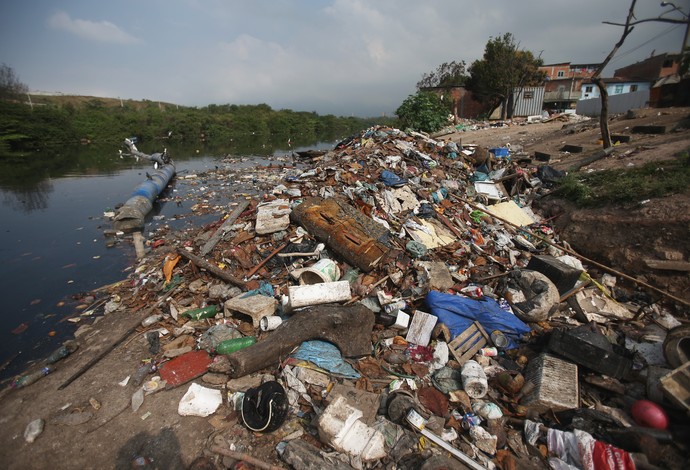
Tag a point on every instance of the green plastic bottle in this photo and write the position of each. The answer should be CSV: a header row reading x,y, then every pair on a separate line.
x,y
229,346
199,313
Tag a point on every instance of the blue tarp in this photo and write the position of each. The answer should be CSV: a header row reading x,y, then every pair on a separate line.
x,y
458,312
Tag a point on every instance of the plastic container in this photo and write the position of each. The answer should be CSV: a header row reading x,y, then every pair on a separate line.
x,y
500,152
316,294
324,270
270,323
229,346
474,380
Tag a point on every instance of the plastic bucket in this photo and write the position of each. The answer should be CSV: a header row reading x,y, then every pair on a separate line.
x,y
324,270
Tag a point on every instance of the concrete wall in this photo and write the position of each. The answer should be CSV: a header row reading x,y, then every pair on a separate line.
x,y
617,103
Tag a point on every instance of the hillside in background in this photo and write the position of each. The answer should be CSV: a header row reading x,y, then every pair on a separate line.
x,y
56,120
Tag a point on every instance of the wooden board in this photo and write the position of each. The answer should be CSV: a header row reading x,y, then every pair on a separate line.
x,y
676,386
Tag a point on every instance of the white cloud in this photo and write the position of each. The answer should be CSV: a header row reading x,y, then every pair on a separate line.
x,y
104,31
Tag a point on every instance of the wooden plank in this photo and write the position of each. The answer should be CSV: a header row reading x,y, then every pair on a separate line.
x,y
223,229
667,265
676,386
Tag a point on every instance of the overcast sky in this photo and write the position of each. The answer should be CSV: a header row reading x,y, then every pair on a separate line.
x,y
345,57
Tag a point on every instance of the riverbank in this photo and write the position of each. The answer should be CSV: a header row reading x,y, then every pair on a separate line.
x,y
90,422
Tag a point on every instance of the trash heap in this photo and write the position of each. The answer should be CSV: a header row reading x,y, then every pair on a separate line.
x,y
396,302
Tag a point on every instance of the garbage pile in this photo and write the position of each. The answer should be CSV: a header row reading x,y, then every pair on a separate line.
x,y
396,303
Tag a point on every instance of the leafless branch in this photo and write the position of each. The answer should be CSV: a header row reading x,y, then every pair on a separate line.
x,y
646,20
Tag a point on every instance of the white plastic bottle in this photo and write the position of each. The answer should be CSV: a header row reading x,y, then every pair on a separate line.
x,y
474,379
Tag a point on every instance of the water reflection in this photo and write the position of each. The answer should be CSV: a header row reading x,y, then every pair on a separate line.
x,y
29,199
52,245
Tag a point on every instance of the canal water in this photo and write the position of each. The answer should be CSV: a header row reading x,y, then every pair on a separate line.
x,y
52,247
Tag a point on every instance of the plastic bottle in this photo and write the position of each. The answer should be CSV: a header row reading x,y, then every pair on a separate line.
x,y
229,346
141,372
28,379
67,348
199,313
474,379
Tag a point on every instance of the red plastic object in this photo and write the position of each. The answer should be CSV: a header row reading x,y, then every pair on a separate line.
x,y
648,414
184,368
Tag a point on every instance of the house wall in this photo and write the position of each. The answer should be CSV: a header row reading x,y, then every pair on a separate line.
x,y
590,90
556,71
616,103
650,69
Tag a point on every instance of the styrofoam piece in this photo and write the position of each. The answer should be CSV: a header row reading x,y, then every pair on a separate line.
x,y
402,320
555,384
340,427
272,216
421,327
199,401
316,294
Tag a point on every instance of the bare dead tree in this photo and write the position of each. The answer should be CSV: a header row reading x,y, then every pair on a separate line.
x,y
628,27
596,78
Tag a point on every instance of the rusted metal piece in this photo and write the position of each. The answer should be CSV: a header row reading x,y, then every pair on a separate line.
x,y
348,327
358,239
265,260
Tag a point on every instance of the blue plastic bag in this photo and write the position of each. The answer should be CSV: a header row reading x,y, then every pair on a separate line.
x,y
391,179
458,312
327,356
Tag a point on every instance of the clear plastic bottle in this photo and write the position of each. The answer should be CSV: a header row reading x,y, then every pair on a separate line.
x,y
28,379
67,348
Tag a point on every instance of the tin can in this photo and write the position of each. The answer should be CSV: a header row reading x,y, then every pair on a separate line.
x,y
469,420
491,352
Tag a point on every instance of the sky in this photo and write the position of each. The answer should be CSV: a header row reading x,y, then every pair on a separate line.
x,y
342,57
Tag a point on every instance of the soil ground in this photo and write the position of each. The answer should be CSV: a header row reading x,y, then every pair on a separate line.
x,y
109,435
618,237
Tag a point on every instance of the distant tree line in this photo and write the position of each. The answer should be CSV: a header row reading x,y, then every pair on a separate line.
x,y
30,122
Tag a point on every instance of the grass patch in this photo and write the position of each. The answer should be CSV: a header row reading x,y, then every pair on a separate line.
x,y
628,186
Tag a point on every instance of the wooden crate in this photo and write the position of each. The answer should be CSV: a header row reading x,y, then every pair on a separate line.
x,y
468,343
676,386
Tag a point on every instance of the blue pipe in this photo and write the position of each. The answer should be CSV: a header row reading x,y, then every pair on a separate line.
x,y
133,212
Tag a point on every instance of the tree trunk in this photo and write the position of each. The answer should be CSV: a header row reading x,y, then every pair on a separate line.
x,y
596,78
604,116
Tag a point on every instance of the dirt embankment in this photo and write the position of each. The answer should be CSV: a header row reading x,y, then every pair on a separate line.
x,y
651,241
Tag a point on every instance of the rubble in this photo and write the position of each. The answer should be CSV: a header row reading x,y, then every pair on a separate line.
x,y
451,307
